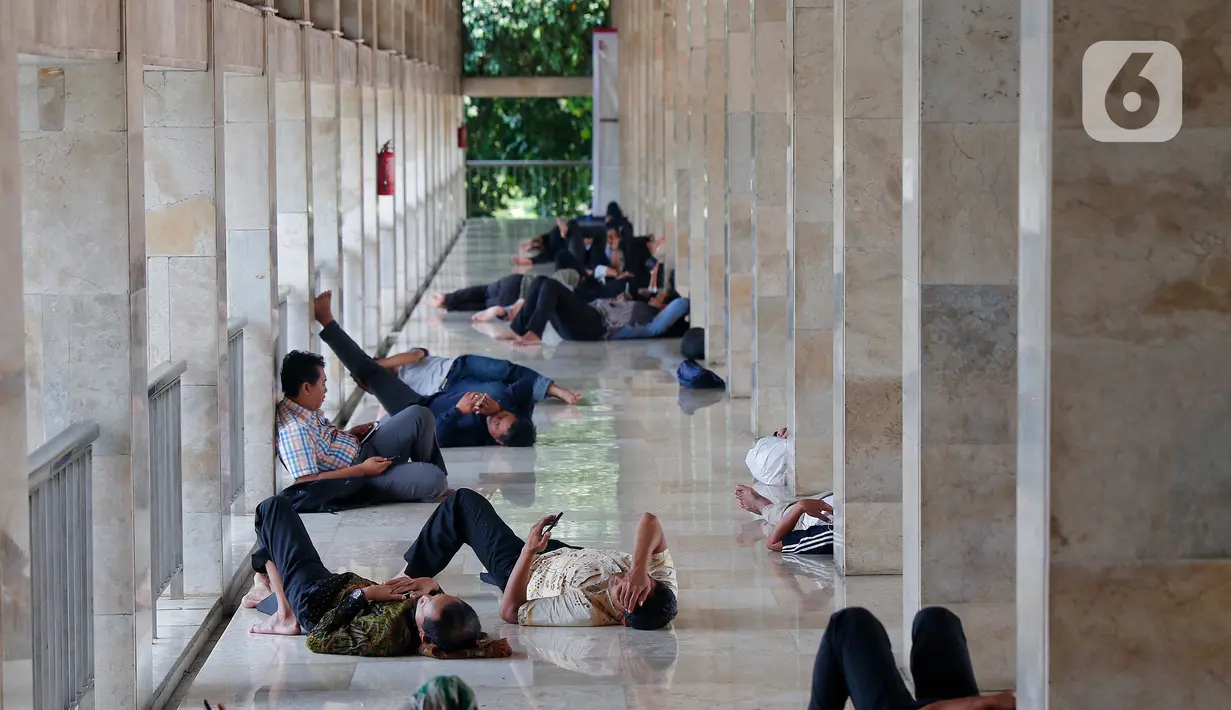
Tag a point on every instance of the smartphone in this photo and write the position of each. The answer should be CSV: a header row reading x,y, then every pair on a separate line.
x,y
375,426
554,522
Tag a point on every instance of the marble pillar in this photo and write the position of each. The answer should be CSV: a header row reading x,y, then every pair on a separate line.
x,y
85,297
811,291
252,275
386,227
323,216
738,199
771,153
401,277
186,250
959,153
698,278
683,155
670,150
414,265
654,128
1123,577
350,197
716,182
296,261
372,334
16,610
867,267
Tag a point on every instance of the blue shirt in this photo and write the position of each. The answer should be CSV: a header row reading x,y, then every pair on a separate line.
x,y
454,429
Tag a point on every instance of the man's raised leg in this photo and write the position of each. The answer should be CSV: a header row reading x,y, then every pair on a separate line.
x,y
393,394
282,622
464,518
856,661
289,559
409,434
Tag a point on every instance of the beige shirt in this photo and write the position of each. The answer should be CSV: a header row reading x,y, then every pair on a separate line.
x,y
569,587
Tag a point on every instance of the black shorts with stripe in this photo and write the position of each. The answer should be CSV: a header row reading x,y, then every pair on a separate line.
x,y
816,540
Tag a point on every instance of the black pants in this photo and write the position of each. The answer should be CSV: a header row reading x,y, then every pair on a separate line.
x,y
467,518
550,301
281,537
502,292
393,394
856,661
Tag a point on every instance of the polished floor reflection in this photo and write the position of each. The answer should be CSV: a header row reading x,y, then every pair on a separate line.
x,y
749,620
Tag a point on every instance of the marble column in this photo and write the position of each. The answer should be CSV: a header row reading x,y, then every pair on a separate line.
x,y
683,154
654,132
402,287
771,151
252,269
351,157
186,250
670,150
1123,577
386,226
372,334
326,239
738,199
959,153
716,182
296,262
414,265
867,266
698,279
811,291
85,297
16,612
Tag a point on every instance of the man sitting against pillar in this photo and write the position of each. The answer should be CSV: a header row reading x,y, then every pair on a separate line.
x,y
346,614
428,374
856,662
334,469
548,583
801,527
469,412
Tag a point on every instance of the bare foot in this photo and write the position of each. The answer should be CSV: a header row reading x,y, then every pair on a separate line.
x,y
260,591
564,394
277,626
436,300
322,308
528,340
488,315
750,500
506,335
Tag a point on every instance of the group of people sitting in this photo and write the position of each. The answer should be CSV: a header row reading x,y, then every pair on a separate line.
x,y
606,286
433,402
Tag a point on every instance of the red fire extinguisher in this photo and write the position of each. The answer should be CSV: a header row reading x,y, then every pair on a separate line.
x,y
385,170
461,137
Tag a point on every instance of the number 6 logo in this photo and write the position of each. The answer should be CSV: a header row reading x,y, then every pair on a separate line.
x,y
1132,92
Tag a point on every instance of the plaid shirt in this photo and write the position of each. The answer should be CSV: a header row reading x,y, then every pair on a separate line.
x,y
308,444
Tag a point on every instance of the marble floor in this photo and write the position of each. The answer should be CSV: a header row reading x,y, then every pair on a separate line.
x,y
749,620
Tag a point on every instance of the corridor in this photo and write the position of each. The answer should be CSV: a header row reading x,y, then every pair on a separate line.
x,y
749,621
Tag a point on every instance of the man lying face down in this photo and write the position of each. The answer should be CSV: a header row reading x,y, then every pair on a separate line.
x,y
345,613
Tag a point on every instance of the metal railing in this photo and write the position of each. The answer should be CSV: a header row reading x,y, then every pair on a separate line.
x,y
62,566
521,189
166,482
235,364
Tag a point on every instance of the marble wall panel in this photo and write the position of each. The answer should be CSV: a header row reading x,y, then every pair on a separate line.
x,y
177,34
386,228
242,39
716,187
698,280
351,205
68,29
371,240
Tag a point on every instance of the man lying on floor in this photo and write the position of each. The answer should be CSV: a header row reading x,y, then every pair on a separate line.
x,y
802,527
428,374
604,319
493,300
544,248
347,614
468,412
548,583
335,469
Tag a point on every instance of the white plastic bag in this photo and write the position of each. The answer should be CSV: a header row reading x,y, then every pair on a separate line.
x,y
768,460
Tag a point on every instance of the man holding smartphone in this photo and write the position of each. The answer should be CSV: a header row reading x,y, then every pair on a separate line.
x,y
549,583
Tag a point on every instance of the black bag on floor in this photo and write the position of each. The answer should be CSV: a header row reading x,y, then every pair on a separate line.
x,y
693,345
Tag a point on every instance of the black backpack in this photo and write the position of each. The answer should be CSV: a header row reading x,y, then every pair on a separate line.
x,y
693,345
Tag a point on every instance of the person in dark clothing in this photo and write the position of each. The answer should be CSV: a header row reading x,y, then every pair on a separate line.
x,y
855,661
490,413
345,613
502,292
604,319
545,247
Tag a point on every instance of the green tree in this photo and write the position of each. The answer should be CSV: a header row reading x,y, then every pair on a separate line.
x,y
530,38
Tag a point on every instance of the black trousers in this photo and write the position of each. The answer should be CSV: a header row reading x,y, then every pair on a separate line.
x,y
467,518
856,661
471,298
502,292
550,301
393,394
281,537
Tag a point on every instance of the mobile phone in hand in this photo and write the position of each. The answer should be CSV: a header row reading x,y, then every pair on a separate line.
x,y
554,522
375,426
